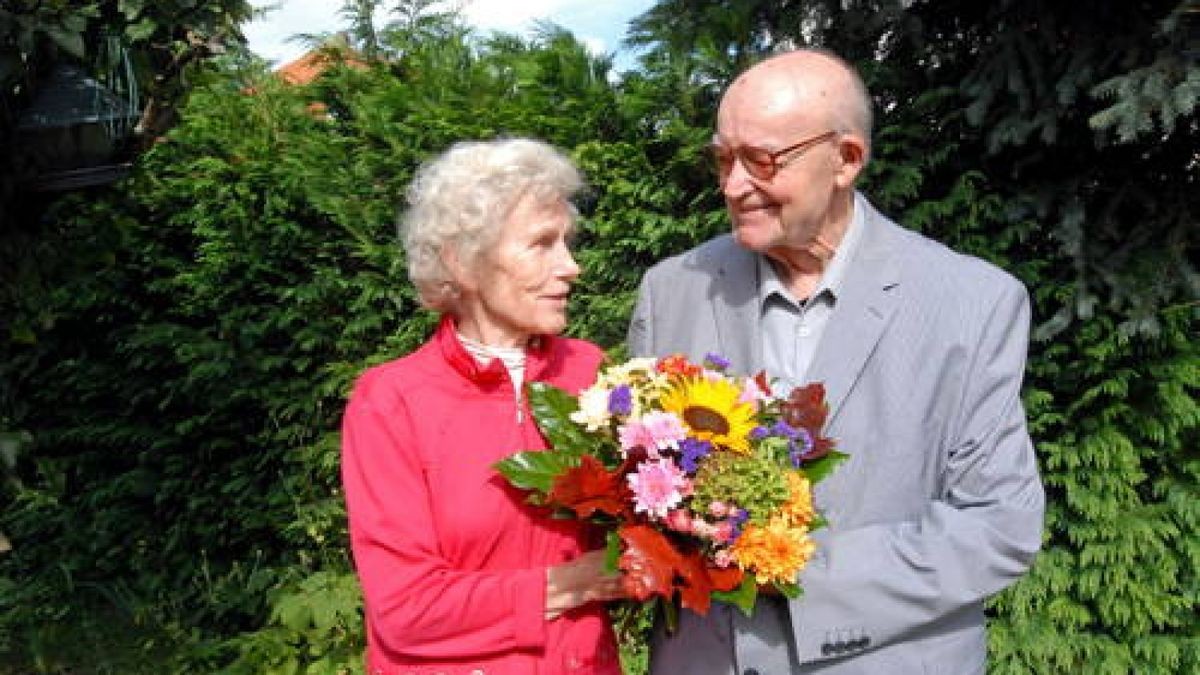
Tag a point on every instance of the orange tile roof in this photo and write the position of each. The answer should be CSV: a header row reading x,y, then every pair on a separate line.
x,y
310,66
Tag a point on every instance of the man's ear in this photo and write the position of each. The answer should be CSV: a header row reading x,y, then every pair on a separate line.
x,y
852,157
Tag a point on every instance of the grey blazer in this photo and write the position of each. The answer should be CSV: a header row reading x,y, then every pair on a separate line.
x,y
939,505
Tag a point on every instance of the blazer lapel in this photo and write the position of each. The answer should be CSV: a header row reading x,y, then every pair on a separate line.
x,y
736,311
863,310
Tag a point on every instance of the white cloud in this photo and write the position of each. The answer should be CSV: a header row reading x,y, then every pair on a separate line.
x,y
597,24
513,16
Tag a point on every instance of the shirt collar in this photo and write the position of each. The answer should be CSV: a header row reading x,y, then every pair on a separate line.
x,y
831,281
539,357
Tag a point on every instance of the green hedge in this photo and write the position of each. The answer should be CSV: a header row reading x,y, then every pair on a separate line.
x,y
178,349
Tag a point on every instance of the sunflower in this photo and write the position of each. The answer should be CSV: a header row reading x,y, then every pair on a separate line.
x,y
712,412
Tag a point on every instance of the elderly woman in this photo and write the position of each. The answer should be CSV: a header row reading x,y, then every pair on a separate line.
x,y
459,574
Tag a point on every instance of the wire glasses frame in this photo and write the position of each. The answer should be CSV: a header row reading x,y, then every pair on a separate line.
x,y
761,163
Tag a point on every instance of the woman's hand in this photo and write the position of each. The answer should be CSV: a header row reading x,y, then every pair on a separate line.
x,y
579,582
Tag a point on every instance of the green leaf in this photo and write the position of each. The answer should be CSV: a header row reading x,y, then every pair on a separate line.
x,y
552,408
130,8
140,31
789,591
743,597
670,615
612,550
819,469
294,613
68,41
536,469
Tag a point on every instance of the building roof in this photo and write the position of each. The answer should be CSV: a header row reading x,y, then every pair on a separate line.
x,y
311,65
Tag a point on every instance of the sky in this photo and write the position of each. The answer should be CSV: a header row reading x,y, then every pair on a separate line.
x,y
599,24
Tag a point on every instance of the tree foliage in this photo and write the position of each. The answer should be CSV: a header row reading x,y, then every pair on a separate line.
x,y
175,350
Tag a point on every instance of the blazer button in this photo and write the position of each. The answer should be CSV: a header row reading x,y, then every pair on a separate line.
x,y
839,647
826,649
750,671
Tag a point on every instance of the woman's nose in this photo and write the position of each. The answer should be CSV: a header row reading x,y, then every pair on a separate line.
x,y
567,268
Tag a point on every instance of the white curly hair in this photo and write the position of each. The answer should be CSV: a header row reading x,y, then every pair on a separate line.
x,y
460,199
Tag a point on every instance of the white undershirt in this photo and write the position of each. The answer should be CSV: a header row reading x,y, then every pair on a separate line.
x,y
513,359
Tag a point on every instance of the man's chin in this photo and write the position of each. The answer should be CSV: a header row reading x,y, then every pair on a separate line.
x,y
751,238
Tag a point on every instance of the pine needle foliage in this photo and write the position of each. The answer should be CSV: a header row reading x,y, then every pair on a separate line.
x,y
176,350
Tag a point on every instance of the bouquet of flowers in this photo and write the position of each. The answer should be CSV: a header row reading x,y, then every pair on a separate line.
x,y
702,479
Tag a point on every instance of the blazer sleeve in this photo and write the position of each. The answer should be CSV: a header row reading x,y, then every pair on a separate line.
x,y
640,338
889,581
416,603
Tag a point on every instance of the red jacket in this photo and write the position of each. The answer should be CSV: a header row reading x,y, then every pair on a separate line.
x,y
451,560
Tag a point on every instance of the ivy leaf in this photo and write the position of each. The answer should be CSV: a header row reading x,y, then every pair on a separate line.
x,y
589,487
536,469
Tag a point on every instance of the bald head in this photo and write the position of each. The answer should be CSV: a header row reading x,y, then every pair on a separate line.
x,y
805,85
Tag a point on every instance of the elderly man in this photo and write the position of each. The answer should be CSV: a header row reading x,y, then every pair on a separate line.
x,y
921,351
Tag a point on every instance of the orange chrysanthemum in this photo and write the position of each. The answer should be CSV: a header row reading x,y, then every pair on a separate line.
x,y
774,553
798,510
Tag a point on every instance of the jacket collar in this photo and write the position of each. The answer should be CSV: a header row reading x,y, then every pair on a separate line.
x,y
539,356
865,305
869,298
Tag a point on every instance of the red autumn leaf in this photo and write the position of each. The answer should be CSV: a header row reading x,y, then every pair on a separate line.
x,y
805,408
821,447
652,565
649,562
763,383
700,578
589,488
696,588
725,578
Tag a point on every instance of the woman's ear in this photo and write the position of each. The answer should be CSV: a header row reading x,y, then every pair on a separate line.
x,y
460,274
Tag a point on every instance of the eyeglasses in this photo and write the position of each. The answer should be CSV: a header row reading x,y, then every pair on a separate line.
x,y
761,163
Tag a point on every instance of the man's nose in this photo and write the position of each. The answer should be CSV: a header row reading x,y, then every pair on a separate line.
x,y
737,182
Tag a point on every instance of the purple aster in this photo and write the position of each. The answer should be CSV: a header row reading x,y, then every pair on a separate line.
x,y
799,446
691,451
620,400
783,429
739,518
758,433
717,361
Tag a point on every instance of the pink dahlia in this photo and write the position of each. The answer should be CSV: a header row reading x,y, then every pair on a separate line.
x,y
653,432
657,487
